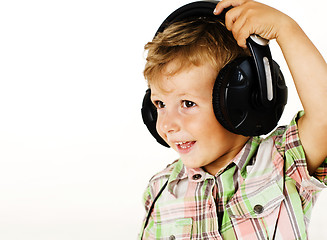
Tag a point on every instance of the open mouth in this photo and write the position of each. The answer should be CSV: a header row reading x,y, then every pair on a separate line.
x,y
184,147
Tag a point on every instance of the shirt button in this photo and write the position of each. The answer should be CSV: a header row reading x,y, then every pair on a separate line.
x,y
197,176
258,209
172,237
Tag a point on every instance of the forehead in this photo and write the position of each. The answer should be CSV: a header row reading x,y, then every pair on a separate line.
x,y
190,80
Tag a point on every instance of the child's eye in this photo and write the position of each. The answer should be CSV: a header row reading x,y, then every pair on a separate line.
x,y
188,104
159,104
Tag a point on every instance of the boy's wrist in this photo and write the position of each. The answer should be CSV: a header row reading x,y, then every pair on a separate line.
x,y
287,31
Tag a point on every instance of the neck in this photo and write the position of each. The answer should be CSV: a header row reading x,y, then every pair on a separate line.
x,y
225,159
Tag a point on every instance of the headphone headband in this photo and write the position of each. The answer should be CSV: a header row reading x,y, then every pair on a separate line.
x,y
192,10
249,93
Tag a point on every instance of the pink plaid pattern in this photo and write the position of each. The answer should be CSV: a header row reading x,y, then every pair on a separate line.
x,y
264,193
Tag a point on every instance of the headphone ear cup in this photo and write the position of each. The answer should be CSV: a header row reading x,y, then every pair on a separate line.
x,y
149,116
218,102
236,99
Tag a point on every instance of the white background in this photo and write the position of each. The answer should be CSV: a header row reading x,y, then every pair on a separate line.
x,y
75,156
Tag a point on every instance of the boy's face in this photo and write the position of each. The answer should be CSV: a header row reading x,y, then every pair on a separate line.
x,y
186,120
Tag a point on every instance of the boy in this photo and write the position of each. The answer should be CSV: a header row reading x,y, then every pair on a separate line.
x,y
226,185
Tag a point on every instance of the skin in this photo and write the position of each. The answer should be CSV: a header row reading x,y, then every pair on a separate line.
x,y
185,114
309,73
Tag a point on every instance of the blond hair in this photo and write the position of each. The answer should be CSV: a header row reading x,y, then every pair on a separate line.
x,y
190,42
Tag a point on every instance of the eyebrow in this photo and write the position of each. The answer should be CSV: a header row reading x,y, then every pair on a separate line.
x,y
188,95
185,96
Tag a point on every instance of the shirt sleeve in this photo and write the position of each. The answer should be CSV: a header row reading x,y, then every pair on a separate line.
x,y
295,161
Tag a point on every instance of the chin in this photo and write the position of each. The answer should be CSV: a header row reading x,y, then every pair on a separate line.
x,y
191,164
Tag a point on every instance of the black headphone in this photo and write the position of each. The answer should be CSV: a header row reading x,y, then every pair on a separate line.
x,y
249,94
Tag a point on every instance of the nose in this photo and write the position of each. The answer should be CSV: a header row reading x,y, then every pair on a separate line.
x,y
168,122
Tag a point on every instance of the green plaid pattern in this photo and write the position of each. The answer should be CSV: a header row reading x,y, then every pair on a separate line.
x,y
264,193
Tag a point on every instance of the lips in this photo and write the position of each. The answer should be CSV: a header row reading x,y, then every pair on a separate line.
x,y
185,147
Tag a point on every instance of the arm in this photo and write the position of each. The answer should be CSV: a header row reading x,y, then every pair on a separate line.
x,y
307,66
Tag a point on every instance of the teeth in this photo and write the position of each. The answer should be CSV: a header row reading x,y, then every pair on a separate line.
x,y
183,146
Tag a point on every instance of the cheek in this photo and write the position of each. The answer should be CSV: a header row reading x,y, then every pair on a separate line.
x,y
212,129
159,131
203,125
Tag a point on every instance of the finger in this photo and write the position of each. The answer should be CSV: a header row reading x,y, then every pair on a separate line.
x,y
222,5
232,16
227,3
243,33
241,29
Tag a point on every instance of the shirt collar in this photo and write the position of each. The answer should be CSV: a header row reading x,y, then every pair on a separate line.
x,y
241,160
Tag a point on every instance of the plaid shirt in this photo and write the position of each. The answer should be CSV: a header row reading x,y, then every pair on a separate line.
x,y
266,192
